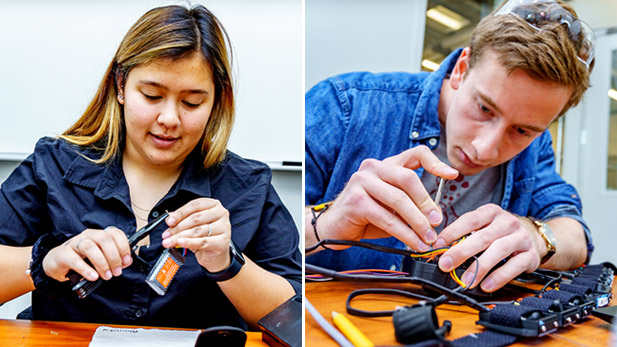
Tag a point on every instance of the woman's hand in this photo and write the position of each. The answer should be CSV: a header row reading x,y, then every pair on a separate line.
x,y
107,250
203,226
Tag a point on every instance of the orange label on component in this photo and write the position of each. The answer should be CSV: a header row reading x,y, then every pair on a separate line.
x,y
167,272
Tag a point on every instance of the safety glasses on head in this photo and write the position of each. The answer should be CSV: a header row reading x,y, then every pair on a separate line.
x,y
538,12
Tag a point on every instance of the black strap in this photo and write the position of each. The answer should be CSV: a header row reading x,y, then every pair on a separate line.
x,y
563,296
488,338
543,304
510,315
572,288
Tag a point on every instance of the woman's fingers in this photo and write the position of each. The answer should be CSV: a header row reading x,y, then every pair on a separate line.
x,y
92,253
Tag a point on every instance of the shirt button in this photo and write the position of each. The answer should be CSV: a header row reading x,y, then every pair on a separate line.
x,y
432,141
415,134
155,214
139,313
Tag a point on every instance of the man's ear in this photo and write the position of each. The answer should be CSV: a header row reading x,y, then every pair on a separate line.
x,y
462,66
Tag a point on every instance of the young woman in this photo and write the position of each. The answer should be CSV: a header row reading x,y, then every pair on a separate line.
x,y
153,139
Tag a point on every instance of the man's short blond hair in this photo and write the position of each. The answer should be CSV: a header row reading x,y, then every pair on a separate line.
x,y
545,55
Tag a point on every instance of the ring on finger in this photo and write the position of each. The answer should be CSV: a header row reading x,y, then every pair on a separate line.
x,y
209,230
108,228
77,245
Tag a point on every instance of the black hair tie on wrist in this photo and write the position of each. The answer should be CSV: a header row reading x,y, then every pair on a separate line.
x,y
320,209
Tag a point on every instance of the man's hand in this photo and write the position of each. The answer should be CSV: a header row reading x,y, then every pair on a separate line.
x,y
386,198
500,235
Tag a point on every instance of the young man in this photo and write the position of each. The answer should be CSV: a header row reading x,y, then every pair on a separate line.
x,y
377,145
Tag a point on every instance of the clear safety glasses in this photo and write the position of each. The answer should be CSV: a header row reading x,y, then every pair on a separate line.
x,y
538,12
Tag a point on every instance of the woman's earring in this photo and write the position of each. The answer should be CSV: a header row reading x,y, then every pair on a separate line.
x,y
120,96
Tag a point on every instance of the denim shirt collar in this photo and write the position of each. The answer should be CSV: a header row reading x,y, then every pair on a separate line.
x,y
425,122
109,182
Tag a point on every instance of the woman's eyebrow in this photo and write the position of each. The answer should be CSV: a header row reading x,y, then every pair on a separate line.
x,y
158,85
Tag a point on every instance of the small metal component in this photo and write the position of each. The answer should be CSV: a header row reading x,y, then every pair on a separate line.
x,y
439,190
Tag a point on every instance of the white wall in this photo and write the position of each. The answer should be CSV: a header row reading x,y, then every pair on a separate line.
x,y
362,35
585,140
597,13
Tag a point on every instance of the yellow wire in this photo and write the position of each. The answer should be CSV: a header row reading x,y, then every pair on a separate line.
x,y
431,254
456,279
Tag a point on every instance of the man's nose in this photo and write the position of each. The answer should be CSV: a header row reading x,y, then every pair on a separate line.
x,y
487,143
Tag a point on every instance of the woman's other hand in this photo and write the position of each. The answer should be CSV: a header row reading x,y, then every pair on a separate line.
x,y
203,226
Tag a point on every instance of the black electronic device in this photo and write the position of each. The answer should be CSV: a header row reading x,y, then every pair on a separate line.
x,y
417,323
283,326
221,336
519,321
83,287
432,272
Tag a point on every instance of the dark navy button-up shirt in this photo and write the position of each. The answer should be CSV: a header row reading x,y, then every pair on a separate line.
x,y
363,115
56,190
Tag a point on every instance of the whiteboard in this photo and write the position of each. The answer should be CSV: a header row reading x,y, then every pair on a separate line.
x,y
53,55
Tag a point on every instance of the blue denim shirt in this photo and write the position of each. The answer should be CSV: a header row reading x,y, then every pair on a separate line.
x,y
362,115
56,190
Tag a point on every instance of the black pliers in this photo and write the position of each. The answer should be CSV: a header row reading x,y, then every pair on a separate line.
x,y
83,287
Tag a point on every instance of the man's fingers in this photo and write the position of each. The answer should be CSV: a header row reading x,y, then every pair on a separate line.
x,y
410,188
473,244
422,156
516,265
492,256
391,223
467,223
400,210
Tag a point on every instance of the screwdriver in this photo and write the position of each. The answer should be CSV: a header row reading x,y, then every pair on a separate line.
x,y
439,190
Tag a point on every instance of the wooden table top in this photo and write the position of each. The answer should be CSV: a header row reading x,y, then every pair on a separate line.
x,y
331,296
45,333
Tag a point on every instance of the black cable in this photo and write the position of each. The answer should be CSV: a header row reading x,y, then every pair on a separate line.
x,y
368,245
518,288
550,283
454,295
389,291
